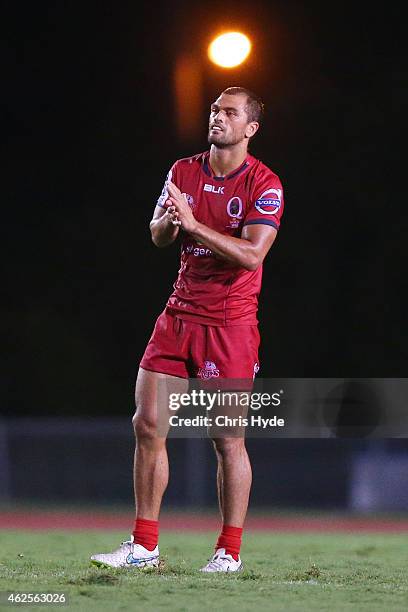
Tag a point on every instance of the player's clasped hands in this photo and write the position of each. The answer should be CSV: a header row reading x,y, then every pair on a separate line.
x,y
178,208
173,214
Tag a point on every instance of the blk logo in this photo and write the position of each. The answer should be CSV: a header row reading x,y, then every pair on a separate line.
x,y
213,189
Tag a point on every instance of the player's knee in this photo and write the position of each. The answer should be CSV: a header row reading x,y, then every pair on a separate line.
x,y
228,446
144,428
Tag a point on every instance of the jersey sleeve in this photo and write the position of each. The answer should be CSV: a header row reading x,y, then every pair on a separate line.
x,y
266,202
172,175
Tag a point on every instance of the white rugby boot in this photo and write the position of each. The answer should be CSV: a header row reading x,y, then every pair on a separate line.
x,y
129,555
221,562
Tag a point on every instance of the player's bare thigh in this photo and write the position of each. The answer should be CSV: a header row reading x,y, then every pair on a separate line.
x,y
152,401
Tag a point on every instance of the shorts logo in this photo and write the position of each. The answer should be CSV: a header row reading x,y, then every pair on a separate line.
x,y
209,370
270,202
256,368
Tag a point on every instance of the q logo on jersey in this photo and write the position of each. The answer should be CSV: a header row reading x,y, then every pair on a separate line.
x,y
269,202
234,207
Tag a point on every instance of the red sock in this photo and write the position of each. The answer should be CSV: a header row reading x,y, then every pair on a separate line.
x,y
230,539
146,533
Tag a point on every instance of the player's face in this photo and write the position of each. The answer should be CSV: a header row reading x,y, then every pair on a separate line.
x,y
228,124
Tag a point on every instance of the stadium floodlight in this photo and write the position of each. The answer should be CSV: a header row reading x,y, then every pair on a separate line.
x,y
229,49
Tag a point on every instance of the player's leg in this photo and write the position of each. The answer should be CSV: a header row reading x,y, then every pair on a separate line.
x,y
234,479
151,467
151,424
234,474
151,471
235,352
220,486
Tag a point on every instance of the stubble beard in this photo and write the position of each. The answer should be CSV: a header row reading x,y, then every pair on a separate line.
x,y
220,143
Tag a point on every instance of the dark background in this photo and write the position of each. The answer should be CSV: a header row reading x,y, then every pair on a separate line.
x,y
91,133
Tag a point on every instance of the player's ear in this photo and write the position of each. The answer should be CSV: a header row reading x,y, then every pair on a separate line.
x,y
251,129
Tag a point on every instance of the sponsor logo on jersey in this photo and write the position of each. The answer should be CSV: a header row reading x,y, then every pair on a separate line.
x,y
270,202
197,251
209,370
213,189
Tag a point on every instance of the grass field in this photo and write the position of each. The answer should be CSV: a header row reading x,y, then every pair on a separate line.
x,y
284,572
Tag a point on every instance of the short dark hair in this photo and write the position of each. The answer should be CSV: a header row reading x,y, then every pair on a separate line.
x,y
254,108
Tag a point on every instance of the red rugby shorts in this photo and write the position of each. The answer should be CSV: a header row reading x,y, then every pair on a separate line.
x,y
193,350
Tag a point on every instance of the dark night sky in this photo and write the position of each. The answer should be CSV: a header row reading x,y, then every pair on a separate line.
x,y
91,134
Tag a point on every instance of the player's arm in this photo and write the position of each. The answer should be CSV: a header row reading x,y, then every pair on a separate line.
x,y
247,252
163,227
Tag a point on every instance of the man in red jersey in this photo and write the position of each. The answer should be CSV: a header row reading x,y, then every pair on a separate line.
x,y
226,207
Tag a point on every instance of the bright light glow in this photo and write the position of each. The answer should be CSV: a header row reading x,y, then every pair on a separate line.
x,y
229,50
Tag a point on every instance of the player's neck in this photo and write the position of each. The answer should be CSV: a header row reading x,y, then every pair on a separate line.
x,y
224,161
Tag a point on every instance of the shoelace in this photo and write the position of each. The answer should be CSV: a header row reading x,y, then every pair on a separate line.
x,y
217,562
126,543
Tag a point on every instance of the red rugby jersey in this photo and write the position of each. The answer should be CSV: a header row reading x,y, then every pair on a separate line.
x,y
208,289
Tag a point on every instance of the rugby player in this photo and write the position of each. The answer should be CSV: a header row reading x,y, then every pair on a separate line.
x,y
225,206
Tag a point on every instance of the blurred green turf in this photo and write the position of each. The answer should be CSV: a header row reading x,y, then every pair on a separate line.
x,y
211,511
283,572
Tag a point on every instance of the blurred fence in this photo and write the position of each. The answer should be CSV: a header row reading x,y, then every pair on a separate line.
x,y
91,460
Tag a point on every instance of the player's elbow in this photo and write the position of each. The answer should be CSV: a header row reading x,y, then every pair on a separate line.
x,y
162,235
159,242
155,240
252,262
156,235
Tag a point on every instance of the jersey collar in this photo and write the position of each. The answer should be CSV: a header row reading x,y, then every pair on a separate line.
x,y
208,171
